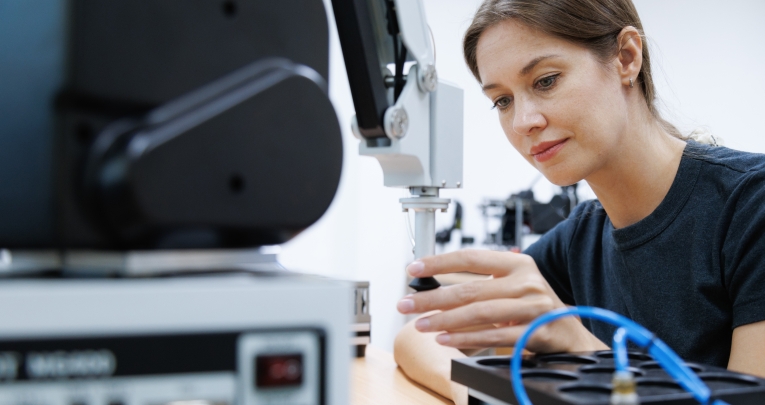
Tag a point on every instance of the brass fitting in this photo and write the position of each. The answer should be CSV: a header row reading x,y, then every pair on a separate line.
x,y
624,390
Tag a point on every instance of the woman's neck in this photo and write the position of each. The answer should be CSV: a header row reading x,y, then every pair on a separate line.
x,y
634,183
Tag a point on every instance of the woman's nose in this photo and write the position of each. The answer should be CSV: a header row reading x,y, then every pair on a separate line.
x,y
528,118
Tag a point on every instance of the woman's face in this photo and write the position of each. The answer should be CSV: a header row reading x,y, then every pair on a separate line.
x,y
560,107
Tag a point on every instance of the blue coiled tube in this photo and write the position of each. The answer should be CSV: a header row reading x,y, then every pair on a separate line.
x,y
674,366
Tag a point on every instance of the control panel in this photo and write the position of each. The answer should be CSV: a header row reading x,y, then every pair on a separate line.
x,y
258,367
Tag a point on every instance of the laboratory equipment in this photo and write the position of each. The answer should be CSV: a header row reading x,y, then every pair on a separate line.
x,y
150,147
148,150
585,378
507,222
654,374
242,338
409,120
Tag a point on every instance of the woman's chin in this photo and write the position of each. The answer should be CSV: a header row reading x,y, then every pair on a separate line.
x,y
561,177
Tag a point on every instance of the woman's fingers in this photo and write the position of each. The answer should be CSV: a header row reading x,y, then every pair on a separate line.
x,y
498,311
497,337
498,264
489,313
462,294
563,335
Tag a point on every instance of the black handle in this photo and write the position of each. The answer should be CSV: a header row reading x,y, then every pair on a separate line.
x,y
424,284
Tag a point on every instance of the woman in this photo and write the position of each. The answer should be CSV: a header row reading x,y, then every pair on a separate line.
x,y
673,240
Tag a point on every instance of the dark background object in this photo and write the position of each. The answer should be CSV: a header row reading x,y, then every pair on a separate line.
x,y
256,171
444,236
545,216
539,217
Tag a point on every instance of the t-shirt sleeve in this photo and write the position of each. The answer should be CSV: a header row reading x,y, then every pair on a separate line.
x,y
743,251
550,253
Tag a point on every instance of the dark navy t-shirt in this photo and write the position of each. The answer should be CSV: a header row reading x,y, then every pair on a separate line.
x,y
690,272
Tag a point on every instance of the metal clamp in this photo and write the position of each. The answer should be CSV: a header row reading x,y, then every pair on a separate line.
x,y
425,203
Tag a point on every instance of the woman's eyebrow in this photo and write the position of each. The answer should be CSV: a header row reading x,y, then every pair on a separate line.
x,y
488,87
530,66
525,71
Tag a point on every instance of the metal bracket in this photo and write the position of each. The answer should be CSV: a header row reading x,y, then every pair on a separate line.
x,y
416,37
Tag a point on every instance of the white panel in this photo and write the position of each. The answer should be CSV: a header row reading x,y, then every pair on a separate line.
x,y
446,135
60,308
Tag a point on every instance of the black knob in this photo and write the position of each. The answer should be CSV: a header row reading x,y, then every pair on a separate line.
x,y
424,284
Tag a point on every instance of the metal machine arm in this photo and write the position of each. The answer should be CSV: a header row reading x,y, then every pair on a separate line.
x,y
411,124
357,38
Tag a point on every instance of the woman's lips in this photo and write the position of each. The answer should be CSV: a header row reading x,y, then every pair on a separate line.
x,y
546,150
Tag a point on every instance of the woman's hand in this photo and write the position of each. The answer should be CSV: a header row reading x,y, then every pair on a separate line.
x,y
493,312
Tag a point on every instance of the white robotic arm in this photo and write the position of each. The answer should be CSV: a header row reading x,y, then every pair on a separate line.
x,y
417,136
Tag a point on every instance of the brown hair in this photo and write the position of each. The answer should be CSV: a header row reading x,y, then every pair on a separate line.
x,y
593,24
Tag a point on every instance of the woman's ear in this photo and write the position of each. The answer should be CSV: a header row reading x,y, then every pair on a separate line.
x,y
629,59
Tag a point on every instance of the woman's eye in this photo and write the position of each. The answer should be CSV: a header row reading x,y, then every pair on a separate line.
x,y
546,82
503,102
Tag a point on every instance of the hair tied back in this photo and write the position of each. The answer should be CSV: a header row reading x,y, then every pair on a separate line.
x,y
703,135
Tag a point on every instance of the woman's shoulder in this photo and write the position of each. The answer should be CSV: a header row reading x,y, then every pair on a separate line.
x,y
723,157
730,176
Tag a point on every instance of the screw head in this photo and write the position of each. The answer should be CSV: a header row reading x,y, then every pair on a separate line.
x,y
396,122
459,184
427,78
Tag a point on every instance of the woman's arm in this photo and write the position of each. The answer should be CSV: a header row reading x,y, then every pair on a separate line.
x,y
428,363
747,351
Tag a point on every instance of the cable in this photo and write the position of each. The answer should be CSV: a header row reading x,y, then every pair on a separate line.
x,y
399,50
408,225
674,366
623,384
400,57
621,359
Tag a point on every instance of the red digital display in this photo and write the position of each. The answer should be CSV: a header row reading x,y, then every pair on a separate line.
x,y
278,370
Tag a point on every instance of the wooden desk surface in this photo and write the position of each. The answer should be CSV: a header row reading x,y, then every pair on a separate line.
x,y
377,380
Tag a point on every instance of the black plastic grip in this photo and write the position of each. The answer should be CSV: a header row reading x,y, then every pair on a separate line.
x,y
424,284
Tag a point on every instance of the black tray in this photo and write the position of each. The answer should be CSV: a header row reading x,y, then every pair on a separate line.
x,y
585,378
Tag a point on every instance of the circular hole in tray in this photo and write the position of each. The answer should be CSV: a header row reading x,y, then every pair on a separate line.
x,y
567,359
657,386
608,370
505,362
549,375
609,354
728,380
654,365
588,392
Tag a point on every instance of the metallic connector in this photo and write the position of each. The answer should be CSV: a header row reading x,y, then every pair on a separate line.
x,y
624,389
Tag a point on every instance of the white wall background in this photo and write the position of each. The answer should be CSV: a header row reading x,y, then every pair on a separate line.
x,y
708,61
